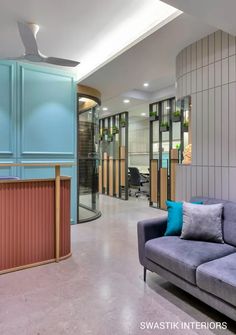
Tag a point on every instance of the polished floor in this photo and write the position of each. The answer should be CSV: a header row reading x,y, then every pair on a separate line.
x,y
99,290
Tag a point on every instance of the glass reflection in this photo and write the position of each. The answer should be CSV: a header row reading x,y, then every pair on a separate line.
x,y
88,160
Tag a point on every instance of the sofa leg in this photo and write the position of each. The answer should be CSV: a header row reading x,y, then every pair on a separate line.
x,y
144,274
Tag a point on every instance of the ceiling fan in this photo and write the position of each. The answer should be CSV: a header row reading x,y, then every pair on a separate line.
x,y
28,32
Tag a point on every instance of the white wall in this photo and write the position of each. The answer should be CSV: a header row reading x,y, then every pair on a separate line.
x,y
206,70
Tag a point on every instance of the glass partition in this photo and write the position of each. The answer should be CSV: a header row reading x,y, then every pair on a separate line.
x,y
88,159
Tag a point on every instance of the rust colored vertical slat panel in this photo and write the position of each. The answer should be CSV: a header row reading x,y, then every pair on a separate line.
x,y
27,222
65,238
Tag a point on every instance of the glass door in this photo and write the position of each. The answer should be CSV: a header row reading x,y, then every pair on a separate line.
x,y
88,160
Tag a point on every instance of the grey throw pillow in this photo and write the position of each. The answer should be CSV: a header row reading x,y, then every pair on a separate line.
x,y
202,222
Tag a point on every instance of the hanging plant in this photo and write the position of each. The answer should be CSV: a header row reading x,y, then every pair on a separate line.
x,y
109,138
115,130
153,116
105,131
185,126
164,126
176,116
123,122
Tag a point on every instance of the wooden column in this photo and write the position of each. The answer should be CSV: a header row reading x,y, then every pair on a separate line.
x,y
163,187
57,213
154,181
111,191
174,161
122,166
100,178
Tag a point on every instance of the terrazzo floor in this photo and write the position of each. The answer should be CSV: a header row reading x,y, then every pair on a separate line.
x,y
99,290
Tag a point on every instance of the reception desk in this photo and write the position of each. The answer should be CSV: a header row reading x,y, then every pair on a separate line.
x,y
34,221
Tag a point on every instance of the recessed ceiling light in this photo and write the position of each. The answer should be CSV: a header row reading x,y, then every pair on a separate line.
x,y
145,84
104,108
126,101
143,114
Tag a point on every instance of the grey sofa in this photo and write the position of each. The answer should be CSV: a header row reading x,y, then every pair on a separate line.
x,y
204,269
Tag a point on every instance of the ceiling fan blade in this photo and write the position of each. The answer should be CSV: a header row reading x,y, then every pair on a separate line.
x,y
61,61
28,39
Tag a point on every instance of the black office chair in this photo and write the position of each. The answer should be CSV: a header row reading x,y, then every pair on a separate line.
x,y
136,180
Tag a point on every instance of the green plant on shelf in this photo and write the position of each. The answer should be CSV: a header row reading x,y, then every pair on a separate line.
x,y
105,131
115,130
185,124
164,124
109,138
177,146
153,114
123,122
176,113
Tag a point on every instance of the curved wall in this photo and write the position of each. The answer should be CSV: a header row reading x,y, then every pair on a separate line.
x,y
206,70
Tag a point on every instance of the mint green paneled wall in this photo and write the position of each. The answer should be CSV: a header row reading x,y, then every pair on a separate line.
x,y
37,120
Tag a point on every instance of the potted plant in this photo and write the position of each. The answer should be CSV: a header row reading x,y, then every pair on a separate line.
x,y
115,130
109,138
105,131
164,126
177,146
123,122
153,116
185,126
176,116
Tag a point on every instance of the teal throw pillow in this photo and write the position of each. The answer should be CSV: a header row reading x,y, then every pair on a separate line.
x,y
175,217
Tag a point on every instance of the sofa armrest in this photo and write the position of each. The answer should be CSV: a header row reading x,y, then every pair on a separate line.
x,y
147,230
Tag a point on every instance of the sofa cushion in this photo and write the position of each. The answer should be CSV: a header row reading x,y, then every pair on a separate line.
x,y
202,222
229,217
218,277
175,217
182,257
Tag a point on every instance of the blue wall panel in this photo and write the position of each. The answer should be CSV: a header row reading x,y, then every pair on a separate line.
x,y
37,121
7,109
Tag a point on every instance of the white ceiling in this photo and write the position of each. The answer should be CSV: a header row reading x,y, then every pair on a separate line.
x,y
218,13
144,36
151,60
91,31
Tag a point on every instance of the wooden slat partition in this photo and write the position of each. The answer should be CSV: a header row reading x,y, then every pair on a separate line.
x,y
163,187
117,173
105,171
122,152
174,155
111,190
173,178
122,166
122,172
100,179
154,181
